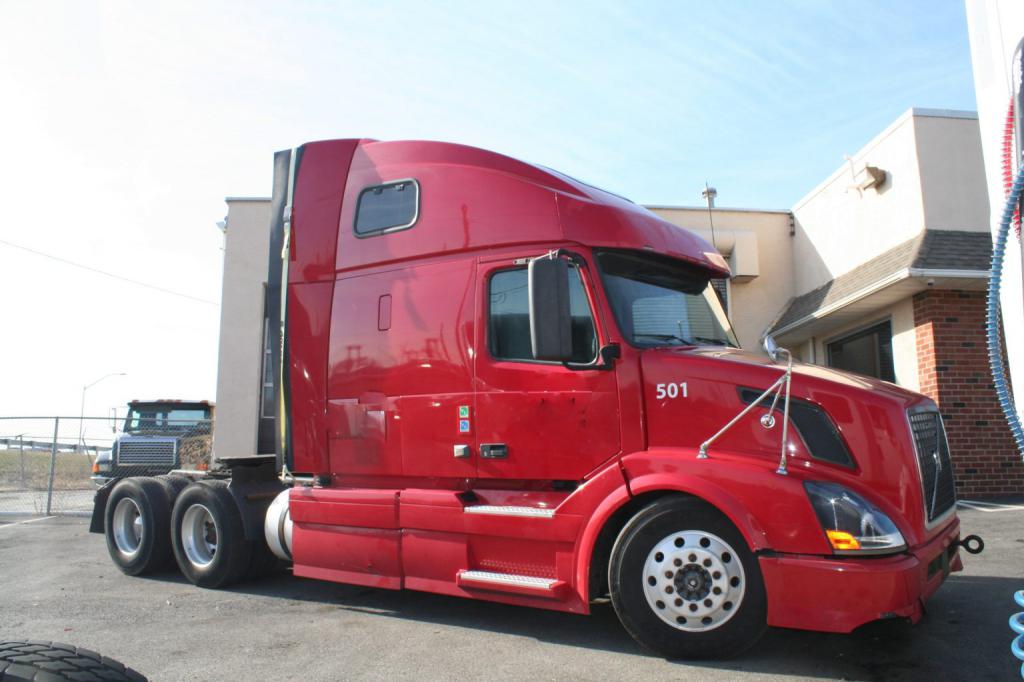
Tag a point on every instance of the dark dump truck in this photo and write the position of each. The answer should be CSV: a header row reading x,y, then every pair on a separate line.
x,y
157,437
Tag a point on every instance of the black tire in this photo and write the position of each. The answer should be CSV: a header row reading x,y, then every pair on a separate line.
x,y
229,560
173,485
667,519
50,661
153,552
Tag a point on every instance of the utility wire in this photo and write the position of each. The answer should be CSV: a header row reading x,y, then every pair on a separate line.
x,y
109,274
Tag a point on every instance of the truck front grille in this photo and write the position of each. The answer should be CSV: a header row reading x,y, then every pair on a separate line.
x,y
147,452
937,482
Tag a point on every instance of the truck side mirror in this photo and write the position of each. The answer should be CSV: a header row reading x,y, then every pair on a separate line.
x,y
550,316
775,352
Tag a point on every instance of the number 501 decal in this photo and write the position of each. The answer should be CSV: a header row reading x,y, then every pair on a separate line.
x,y
673,390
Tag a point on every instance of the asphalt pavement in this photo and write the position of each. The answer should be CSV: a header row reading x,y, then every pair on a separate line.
x,y
57,583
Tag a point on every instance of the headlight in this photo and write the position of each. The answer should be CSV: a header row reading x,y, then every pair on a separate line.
x,y
853,525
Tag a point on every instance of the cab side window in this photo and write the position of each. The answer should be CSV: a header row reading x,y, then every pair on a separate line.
x,y
387,208
508,319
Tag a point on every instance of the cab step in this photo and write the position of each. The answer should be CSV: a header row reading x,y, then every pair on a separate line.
x,y
549,588
508,510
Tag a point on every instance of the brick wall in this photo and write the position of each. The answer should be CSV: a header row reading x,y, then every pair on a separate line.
x,y
954,372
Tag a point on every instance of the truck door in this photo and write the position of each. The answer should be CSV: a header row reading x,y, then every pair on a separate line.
x,y
534,419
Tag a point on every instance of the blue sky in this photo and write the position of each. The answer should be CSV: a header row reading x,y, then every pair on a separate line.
x,y
647,99
126,124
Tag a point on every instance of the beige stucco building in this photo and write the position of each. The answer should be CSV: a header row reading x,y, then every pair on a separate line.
x,y
880,269
240,362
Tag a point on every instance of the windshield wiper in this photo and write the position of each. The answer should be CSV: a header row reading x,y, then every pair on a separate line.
x,y
666,337
717,342
697,340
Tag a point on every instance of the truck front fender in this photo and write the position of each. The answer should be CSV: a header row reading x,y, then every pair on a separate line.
x,y
605,494
771,510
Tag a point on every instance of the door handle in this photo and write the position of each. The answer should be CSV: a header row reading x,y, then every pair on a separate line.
x,y
494,451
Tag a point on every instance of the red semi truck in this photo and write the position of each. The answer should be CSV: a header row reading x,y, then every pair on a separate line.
x,y
501,383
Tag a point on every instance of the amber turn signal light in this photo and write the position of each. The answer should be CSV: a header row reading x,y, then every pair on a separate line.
x,y
840,539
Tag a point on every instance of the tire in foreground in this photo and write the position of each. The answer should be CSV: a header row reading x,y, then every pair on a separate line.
x,y
47,661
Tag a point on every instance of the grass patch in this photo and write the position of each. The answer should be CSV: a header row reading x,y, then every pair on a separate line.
x,y
73,470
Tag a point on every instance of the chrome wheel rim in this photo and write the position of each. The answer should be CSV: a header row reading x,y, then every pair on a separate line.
x,y
199,535
127,527
694,581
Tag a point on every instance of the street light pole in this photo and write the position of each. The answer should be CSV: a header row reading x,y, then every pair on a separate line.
x,y
81,414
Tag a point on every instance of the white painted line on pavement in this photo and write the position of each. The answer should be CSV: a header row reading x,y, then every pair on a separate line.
x,y
18,523
989,507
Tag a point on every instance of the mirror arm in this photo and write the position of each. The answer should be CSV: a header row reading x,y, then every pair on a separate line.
x,y
605,360
570,256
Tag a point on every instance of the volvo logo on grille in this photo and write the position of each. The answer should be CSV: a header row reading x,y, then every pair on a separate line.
x,y
935,483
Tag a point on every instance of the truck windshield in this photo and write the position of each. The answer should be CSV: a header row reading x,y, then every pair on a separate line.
x,y
659,301
167,419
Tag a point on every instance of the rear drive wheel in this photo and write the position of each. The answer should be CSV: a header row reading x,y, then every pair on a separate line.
x,y
137,526
685,584
208,535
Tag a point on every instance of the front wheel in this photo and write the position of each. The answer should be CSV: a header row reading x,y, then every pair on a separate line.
x,y
684,583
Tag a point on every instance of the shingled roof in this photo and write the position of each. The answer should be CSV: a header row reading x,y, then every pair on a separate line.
x,y
930,250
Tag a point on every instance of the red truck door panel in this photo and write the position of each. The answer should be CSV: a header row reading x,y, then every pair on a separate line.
x,y
400,370
537,420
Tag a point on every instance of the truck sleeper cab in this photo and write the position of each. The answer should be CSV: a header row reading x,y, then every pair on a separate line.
x,y
495,382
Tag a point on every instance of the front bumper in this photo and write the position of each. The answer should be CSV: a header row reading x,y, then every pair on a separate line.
x,y
831,594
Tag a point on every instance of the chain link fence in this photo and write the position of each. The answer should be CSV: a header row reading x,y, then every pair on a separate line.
x,y
53,465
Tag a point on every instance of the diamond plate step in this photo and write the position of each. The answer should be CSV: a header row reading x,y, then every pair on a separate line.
x,y
550,588
508,510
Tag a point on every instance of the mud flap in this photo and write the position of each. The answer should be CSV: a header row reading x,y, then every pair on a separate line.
x,y
99,506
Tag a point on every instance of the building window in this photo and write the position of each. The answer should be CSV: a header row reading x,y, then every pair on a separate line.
x,y
508,320
388,207
868,352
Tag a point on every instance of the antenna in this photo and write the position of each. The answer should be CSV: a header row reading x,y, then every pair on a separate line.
x,y
709,194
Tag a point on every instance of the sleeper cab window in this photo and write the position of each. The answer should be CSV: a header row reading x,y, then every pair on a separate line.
x,y
388,207
508,318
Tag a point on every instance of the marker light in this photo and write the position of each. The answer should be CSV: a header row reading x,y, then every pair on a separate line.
x,y
842,540
852,524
